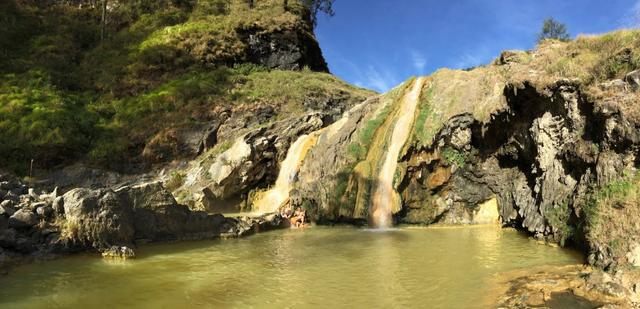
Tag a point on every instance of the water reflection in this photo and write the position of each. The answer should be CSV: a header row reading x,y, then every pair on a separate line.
x,y
317,267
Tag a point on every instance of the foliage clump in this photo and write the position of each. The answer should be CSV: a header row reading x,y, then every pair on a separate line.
x,y
163,65
610,215
39,122
453,156
552,29
559,217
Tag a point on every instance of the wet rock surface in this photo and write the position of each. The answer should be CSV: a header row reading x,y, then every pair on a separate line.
x,y
222,181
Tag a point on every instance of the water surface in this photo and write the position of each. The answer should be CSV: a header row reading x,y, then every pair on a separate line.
x,y
316,267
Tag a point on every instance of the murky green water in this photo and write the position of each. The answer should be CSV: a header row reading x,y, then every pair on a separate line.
x,y
316,267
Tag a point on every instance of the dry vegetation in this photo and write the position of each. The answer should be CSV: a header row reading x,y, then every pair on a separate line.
x,y
589,60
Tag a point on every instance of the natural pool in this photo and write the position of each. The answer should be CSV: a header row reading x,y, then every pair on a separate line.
x,y
315,267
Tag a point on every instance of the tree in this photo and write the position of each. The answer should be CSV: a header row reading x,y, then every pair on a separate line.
x,y
552,29
103,22
315,7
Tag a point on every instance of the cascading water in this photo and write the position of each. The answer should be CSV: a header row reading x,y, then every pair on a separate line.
x,y
273,199
276,197
385,199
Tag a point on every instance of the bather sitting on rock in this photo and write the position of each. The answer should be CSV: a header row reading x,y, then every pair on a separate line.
x,y
297,220
286,213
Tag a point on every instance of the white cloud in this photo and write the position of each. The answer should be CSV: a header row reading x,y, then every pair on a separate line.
x,y
419,61
379,79
374,76
632,18
481,54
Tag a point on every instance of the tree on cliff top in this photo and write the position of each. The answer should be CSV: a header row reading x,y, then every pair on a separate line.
x,y
315,7
552,29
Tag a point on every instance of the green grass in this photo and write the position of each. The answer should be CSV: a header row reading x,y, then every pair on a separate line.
x,y
358,149
454,157
558,217
165,65
611,215
421,135
40,122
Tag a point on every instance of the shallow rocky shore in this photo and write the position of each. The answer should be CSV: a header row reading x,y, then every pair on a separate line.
x,y
569,287
36,224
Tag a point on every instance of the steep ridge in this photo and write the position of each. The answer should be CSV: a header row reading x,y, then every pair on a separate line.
x,y
170,81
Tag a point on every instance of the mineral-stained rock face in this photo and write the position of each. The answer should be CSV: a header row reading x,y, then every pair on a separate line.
x,y
323,177
531,154
223,180
537,157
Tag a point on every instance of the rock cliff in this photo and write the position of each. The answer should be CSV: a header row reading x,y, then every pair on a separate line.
x,y
545,141
200,118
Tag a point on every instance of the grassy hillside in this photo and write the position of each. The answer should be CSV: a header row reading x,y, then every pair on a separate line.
x,y
66,95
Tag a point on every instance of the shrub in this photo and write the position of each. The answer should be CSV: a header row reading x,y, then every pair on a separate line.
x,y
611,215
39,122
454,157
558,217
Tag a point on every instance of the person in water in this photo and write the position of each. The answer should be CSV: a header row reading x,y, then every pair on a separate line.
x,y
297,220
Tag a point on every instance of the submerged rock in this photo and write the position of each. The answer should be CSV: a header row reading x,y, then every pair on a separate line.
x,y
119,253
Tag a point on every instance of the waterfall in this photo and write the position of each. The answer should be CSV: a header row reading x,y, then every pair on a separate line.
x,y
385,199
277,196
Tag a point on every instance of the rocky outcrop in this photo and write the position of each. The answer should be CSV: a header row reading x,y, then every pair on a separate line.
x,y
534,163
224,181
110,221
568,287
287,50
540,157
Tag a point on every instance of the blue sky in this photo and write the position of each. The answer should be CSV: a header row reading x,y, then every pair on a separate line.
x,y
377,44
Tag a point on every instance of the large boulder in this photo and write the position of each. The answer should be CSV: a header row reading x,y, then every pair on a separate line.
x,y
633,79
157,215
105,218
98,218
